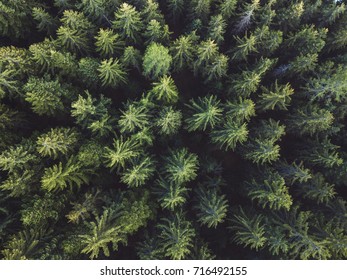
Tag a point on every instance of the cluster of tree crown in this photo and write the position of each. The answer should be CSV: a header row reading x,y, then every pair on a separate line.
x,y
173,129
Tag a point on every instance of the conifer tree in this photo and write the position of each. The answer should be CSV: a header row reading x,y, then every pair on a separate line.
x,y
183,51
170,194
204,113
180,166
59,141
128,23
108,43
249,230
270,191
122,152
45,95
138,172
169,121
59,176
156,61
176,236
165,90
111,72
211,207
230,134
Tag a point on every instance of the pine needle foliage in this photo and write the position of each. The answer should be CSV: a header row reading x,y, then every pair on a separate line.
x,y
171,129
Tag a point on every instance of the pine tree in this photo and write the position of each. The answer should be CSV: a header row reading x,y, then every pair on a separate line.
x,y
42,211
131,58
87,110
88,71
176,236
22,246
317,189
240,110
156,32
156,61
74,32
45,95
175,8
169,121
205,113
309,120
276,97
122,152
112,73
170,194
216,29
17,158
249,229
128,23
211,207
58,141
165,90
46,22
108,43
133,118
59,176
227,8
183,51
102,232
138,171
270,191
230,134
293,172
180,166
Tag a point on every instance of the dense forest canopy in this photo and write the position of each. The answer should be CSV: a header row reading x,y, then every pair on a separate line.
x,y
173,129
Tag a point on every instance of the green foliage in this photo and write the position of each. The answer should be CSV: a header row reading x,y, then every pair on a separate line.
x,y
317,189
131,57
276,97
59,141
134,117
21,246
16,159
240,110
108,43
211,207
146,128
270,191
122,152
169,121
102,232
156,32
170,194
42,211
113,227
309,120
216,28
88,71
139,171
128,23
165,90
176,236
73,34
112,73
249,230
92,113
204,113
156,61
230,134
59,176
180,166
15,20
182,50
45,21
